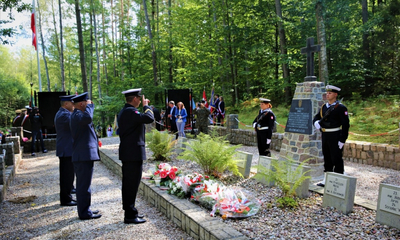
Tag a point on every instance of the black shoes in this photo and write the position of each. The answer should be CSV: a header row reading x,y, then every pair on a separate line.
x,y
140,216
94,216
136,220
45,151
69,204
320,185
33,154
73,191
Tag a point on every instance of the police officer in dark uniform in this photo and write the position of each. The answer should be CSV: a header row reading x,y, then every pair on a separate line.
x,y
264,124
85,150
132,150
64,150
333,121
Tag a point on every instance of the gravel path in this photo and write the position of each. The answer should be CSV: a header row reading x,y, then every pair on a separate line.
x,y
43,218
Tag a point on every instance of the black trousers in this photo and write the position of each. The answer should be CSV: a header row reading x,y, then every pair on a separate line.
x,y
333,161
67,174
84,173
263,147
131,177
174,128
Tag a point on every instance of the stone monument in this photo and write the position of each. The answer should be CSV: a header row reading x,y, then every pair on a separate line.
x,y
301,140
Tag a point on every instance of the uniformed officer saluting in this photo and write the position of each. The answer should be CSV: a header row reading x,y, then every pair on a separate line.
x,y
264,124
64,150
85,150
333,121
132,150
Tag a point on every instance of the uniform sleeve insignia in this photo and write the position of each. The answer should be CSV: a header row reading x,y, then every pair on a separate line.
x,y
272,117
137,112
345,113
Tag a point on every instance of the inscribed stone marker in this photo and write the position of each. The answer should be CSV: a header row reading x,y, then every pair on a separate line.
x,y
339,192
243,161
293,175
266,163
388,208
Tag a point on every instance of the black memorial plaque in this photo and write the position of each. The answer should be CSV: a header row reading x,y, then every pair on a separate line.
x,y
300,118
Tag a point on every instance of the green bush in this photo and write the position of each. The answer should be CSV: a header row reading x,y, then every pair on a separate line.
x,y
286,178
213,154
161,144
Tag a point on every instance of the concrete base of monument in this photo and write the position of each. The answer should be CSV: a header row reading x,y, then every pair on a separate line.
x,y
191,218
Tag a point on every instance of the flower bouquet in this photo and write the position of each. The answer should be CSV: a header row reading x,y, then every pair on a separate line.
x,y
206,194
165,173
233,203
183,186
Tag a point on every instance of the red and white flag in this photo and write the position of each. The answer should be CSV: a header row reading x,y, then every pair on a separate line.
x,y
33,25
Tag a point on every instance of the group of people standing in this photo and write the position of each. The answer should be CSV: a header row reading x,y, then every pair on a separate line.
x,y
78,149
31,121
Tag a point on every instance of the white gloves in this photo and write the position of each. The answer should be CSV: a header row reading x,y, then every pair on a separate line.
x,y
340,144
254,125
316,125
268,141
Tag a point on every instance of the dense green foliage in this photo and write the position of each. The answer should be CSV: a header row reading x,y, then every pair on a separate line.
x,y
161,144
213,154
231,45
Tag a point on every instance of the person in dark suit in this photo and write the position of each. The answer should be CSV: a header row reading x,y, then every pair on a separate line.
x,y
333,122
157,117
264,125
85,150
172,112
64,150
132,150
221,111
36,120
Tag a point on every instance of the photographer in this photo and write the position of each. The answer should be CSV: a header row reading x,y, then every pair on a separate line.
x,y
36,123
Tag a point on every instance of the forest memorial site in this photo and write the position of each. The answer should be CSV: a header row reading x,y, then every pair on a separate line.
x,y
270,119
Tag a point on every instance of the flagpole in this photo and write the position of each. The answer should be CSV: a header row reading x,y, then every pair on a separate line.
x,y
37,48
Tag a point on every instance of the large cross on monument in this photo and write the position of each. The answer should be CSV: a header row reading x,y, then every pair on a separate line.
x,y
310,49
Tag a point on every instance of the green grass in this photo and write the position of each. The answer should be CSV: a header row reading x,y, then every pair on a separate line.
x,y
373,118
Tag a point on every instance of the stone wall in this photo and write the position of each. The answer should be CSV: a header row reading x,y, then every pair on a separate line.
x,y
17,143
376,154
49,144
246,137
2,169
10,157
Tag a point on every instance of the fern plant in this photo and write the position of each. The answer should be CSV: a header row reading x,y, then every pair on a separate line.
x,y
161,144
288,175
214,154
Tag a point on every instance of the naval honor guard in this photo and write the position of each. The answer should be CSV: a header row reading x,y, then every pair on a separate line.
x,y
264,125
333,121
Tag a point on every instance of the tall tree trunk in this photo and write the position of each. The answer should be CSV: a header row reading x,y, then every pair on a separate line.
x,y
121,38
153,54
369,83
97,51
81,47
112,35
282,37
62,49
170,42
90,56
104,49
43,48
323,60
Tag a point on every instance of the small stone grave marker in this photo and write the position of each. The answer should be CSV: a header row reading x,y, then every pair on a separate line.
x,y
388,208
265,164
243,161
339,192
180,145
302,190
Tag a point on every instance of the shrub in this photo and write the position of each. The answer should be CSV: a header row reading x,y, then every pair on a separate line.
x,y
161,144
213,154
286,178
